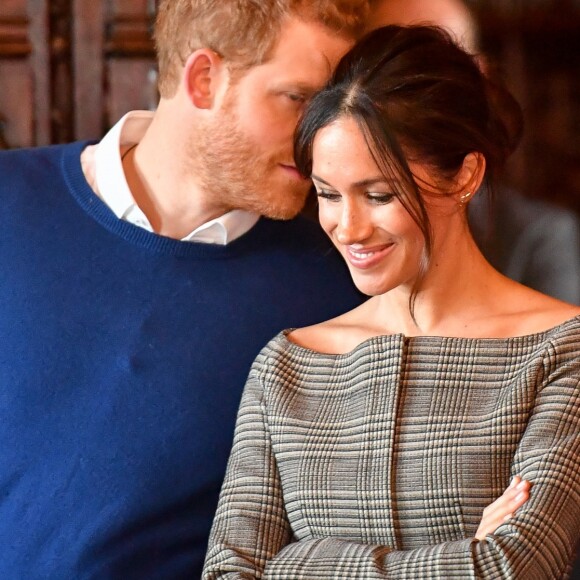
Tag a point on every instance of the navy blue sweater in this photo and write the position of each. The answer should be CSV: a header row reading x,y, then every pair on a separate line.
x,y
123,355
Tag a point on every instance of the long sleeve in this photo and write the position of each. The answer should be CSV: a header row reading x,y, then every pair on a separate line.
x,y
251,524
252,537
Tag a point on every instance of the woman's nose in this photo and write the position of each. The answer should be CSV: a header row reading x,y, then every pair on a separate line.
x,y
354,226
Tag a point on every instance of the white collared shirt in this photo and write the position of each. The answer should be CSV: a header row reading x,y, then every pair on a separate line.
x,y
103,166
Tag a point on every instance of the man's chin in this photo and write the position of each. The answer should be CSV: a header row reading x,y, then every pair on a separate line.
x,y
282,212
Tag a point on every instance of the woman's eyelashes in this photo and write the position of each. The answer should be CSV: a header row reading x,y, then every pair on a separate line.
x,y
328,195
372,196
380,198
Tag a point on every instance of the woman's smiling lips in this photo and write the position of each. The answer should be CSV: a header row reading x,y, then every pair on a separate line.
x,y
365,258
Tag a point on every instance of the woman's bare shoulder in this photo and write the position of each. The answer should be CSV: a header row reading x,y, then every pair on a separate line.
x,y
530,312
335,336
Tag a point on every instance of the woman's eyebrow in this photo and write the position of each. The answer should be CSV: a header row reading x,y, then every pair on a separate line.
x,y
312,176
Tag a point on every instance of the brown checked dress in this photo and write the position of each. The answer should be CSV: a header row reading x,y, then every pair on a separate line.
x,y
378,463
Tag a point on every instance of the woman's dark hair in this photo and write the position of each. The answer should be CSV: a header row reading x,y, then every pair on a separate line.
x,y
415,96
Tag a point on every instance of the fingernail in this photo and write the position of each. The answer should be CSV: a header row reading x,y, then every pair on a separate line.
x,y
506,518
521,485
512,482
520,496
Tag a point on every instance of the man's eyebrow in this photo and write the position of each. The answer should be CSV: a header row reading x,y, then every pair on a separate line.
x,y
358,184
301,86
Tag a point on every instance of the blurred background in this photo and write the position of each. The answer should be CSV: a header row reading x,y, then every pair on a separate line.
x,y
70,68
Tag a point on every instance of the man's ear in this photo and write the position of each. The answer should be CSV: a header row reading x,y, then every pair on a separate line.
x,y
204,73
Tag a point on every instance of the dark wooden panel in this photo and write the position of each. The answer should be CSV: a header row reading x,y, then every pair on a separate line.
x,y
537,46
114,63
14,40
89,95
41,72
61,71
133,85
34,72
16,86
130,28
17,104
13,9
131,71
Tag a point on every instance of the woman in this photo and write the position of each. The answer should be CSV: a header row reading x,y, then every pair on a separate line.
x,y
368,446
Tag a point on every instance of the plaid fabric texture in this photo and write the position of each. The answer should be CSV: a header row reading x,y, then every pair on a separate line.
x,y
378,463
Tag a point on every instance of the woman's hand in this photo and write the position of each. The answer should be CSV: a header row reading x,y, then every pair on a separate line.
x,y
503,508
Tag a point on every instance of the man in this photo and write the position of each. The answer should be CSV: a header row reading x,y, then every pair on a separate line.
x,y
533,242
141,277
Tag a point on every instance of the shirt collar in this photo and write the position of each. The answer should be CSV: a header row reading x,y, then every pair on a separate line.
x,y
113,189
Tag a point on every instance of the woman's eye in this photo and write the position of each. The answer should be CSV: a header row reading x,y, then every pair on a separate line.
x,y
328,195
381,198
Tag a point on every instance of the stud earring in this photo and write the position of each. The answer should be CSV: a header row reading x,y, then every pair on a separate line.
x,y
465,197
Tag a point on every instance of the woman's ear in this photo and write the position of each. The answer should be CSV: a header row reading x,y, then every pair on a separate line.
x,y
470,176
204,74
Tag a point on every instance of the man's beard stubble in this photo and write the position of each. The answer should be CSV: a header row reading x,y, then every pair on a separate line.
x,y
235,173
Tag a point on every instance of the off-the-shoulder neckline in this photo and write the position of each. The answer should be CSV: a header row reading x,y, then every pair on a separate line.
x,y
417,340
